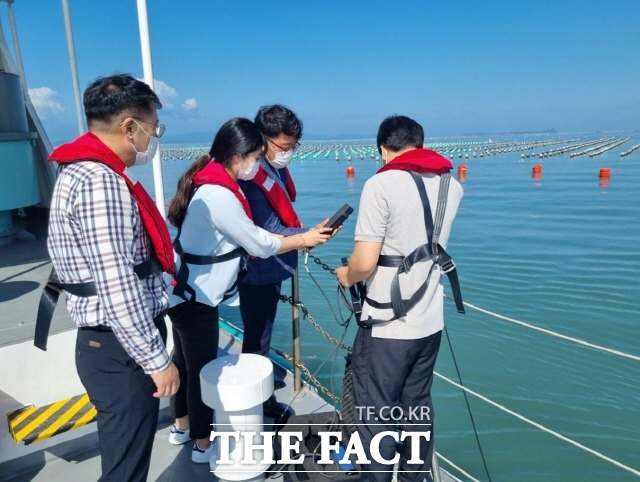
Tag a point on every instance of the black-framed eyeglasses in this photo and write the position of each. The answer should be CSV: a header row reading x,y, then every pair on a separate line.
x,y
159,128
282,149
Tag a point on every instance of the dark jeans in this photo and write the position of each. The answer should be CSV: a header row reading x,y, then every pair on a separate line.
x,y
195,343
392,389
258,306
123,396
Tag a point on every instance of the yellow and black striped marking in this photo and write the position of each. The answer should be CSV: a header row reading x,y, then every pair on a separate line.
x,y
32,424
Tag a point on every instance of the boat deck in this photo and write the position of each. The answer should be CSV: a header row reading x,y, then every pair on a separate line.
x,y
31,376
80,459
24,269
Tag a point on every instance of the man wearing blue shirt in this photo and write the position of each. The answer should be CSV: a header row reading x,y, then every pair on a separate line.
x,y
270,194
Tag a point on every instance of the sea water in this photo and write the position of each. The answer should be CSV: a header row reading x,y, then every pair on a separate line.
x,y
560,252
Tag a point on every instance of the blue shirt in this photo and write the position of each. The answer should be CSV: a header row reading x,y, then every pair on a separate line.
x,y
279,267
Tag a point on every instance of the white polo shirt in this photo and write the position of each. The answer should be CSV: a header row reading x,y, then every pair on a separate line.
x,y
391,213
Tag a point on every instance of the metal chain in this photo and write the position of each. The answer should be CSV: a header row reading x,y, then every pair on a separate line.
x,y
314,323
322,331
318,261
309,376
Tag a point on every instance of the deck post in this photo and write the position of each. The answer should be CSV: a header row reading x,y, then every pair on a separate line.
x,y
147,68
71,50
295,318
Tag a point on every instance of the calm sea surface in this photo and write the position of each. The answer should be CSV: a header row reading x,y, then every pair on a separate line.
x,y
562,253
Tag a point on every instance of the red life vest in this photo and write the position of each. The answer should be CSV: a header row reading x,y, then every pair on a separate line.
x,y
419,160
89,147
280,202
214,173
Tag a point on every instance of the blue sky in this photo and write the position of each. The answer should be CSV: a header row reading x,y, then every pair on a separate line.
x,y
455,66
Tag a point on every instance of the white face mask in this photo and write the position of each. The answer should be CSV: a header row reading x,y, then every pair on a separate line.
x,y
250,172
143,158
282,159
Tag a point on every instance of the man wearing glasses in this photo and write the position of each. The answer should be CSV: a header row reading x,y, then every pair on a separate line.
x,y
271,194
109,246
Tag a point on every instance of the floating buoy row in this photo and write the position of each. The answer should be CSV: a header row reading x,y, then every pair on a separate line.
x,y
452,150
609,146
568,148
181,152
490,148
594,147
630,151
338,151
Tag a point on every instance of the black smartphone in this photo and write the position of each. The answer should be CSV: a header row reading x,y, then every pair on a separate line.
x,y
339,217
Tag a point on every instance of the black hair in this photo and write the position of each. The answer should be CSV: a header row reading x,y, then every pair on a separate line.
x,y
399,132
273,120
236,137
107,97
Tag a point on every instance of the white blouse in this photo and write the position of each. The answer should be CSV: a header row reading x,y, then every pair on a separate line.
x,y
216,224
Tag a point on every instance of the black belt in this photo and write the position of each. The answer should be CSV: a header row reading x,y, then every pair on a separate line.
x,y
99,328
158,321
54,287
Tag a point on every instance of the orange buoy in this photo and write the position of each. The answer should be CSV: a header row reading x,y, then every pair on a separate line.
x,y
351,171
605,173
462,172
536,171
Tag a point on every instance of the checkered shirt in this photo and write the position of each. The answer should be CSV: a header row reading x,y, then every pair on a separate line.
x,y
95,234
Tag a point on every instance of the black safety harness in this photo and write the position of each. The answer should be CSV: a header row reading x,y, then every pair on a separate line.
x,y
54,287
181,286
431,249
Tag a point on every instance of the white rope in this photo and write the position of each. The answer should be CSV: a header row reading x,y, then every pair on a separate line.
x,y
553,333
541,427
459,469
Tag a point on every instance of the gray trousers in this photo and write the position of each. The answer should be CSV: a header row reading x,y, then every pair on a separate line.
x,y
392,392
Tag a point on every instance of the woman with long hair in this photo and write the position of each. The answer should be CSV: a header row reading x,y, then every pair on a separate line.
x,y
215,233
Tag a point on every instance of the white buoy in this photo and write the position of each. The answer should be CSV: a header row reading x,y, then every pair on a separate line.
x,y
235,386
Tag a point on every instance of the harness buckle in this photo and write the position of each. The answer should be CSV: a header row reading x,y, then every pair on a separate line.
x,y
54,285
406,265
446,265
